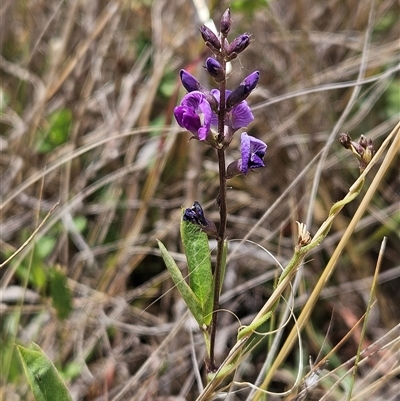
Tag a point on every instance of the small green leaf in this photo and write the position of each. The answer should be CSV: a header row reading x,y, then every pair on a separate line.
x,y
186,292
43,377
195,243
60,293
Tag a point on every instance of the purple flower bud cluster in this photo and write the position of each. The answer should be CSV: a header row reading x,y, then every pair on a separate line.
x,y
214,118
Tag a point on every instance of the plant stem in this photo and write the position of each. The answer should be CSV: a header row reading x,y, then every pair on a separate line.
x,y
222,220
218,268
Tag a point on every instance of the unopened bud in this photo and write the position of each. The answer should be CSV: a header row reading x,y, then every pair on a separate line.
x,y
363,141
368,154
226,22
243,90
345,140
237,46
214,68
363,149
189,82
210,38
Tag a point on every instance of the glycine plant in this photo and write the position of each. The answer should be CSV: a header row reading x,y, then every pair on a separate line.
x,y
213,117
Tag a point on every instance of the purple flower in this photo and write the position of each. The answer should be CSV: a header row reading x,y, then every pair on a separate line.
x,y
240,115
194,114
253,151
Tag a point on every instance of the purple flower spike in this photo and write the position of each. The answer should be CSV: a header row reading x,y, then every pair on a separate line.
x,y
189,82
253,151
240,116
194,114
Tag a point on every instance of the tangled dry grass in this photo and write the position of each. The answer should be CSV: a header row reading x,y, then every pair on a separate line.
x,y
87,96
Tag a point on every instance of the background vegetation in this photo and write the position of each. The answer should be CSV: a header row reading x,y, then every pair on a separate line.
x,y
86,101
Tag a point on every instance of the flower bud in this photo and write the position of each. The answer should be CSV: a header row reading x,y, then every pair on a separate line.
x,y
226,22
210,38
214,68
363,141
363,149
243,90
189,82
345,140
195,215
368,154
237,46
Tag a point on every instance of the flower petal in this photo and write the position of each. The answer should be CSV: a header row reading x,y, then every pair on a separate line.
x,y
194,114
253,152
241,115
187,118
245,152
258,146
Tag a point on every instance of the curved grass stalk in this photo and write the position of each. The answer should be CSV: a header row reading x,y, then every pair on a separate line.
x,y
289,343
233,359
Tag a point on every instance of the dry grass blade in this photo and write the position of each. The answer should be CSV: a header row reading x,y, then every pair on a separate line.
x,y
32,236
389,157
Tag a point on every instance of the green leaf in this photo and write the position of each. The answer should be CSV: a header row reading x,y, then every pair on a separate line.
x,y
186,292
60,293
43,377
195,243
